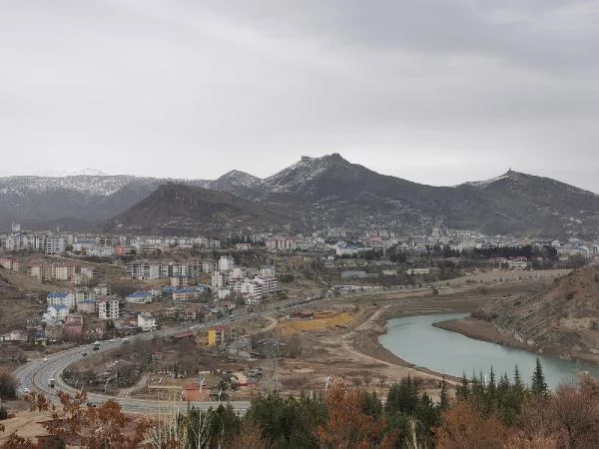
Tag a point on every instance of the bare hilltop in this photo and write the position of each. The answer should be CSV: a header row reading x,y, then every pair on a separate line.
x,y
561,318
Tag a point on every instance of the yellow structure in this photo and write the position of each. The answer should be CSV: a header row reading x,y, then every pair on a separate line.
x,y
211,337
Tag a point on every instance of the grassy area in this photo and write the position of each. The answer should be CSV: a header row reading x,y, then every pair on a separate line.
x,y
321,321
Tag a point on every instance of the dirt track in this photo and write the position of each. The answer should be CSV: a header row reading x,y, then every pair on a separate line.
x,y
353,355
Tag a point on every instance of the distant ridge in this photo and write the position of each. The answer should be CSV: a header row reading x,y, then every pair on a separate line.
x,y
314,193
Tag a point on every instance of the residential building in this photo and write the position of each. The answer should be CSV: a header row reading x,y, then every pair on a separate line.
x,y
270,284
143,270
87,306
16,335
146,322
519,263
226,263
281,244
55,245
179,281
62,272
416,271
109,308
9,263
101,251
219,279
185,294
237,273
353,274
88,272
84,294
55,313
36,271
66,299
73,327
267,271
139,297
223,293
102,290
209,266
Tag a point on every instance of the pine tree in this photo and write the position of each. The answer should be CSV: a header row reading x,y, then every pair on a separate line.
x,y
444,399
463,390
517,380
490,393
539,386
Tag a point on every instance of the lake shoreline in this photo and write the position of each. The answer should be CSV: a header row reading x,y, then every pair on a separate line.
x,y
483,331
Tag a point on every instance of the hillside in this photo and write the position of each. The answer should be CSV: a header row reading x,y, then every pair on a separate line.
x,y
562,318
344,194
315,193
176,209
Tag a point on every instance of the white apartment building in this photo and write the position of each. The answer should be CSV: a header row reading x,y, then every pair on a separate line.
x,y
62,272
146,321
281,244
143,270
226,263
66,299
237,272
270,284
219,280
55,245
109,308
102,290
267,271
209,266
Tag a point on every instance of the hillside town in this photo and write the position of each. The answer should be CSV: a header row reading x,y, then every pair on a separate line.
x,y
194,277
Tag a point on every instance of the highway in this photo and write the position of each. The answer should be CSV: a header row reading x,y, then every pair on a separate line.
x,y
35,375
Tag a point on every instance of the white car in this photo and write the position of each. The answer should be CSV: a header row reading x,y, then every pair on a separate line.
x,y
45,359
112,340
26,390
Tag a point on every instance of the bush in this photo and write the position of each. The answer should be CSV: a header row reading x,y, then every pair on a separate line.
x,y
8,386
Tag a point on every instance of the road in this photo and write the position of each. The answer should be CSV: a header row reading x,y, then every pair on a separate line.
x,y
36,374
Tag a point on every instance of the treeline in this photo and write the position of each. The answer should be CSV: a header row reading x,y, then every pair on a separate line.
x,y
483,413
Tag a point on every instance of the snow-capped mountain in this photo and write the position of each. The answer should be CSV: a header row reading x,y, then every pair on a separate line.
x,y
235,181
70,172
315,193
38,200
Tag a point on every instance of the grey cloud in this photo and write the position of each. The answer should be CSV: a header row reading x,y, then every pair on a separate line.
x,y
435,91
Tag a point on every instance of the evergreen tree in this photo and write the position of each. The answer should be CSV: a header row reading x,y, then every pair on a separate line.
x,y
371,405
444,397
403,397
463,390
539,386
490,393
517,379
427,417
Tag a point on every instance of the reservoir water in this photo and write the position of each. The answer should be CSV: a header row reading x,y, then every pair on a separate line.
x,y
415,340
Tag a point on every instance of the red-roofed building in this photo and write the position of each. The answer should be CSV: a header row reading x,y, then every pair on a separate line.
x,y
183,335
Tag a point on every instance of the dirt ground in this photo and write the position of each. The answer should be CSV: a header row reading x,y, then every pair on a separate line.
x,y
351,354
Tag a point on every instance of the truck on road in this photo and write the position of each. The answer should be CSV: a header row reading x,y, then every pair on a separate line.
x,y
51,383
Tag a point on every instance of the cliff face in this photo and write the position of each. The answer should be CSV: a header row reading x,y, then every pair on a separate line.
x,y
562,318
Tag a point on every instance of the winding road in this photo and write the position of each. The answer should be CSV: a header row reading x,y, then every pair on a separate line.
x,y
36,374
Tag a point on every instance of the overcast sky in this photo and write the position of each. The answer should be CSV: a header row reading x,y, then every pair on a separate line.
x,y
436,91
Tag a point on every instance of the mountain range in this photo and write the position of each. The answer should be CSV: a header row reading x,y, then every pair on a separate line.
x,y
311,194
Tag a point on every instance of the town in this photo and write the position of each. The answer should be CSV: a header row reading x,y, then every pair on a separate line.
x,y
99,285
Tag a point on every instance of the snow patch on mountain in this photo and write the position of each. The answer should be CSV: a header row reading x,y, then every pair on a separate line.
x,y
300,174
233,179
488,182
69,172
89,185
